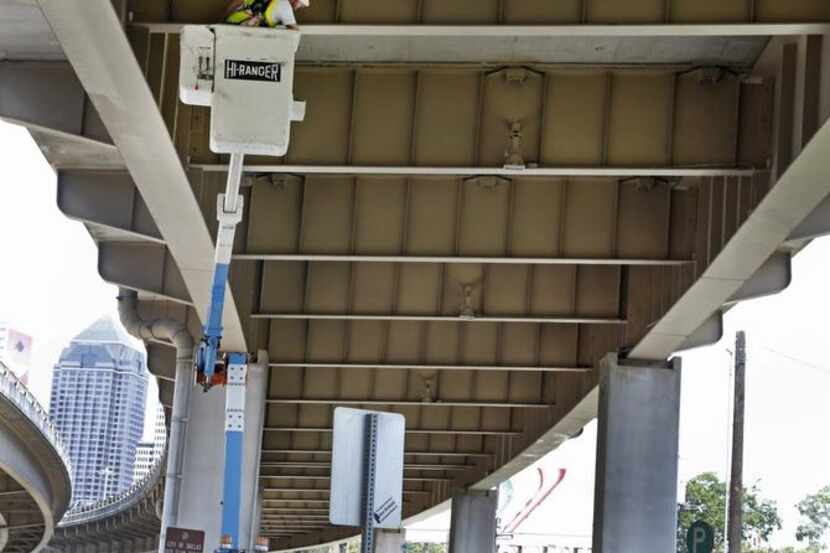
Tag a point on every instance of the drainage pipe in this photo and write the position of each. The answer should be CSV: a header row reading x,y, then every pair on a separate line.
x,y
175,332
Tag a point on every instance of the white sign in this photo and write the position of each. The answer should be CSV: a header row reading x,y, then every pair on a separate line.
x,y
348,468
17,353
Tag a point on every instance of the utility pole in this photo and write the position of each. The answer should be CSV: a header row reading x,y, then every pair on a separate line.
x,y
736,479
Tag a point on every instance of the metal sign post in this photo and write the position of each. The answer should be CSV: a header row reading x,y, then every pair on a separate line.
x,y
367,544
367,471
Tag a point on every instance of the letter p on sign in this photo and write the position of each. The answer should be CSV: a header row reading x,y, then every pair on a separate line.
x,y
700,538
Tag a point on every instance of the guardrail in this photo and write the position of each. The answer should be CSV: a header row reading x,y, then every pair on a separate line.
x,y
15,391
117,503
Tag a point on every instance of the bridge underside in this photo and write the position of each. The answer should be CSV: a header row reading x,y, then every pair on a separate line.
x,y
131,528
21,525
34,482
525,12
400,258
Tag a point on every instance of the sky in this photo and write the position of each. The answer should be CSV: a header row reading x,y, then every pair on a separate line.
x,y
50,289
49,285
787,446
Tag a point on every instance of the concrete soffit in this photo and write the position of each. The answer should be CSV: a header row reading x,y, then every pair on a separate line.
x,y
94,41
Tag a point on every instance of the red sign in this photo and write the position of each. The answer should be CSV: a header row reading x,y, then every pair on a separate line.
x,y
184,540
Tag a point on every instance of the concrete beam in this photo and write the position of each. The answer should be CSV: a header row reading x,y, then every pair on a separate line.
x,y
574,319
327,477
800,190
48,99
152,309
808,91
147,268
431,367
327,464
710,332
45,94
733,44
571,31
410,403
24,33
95,44
108,199
771,278
816,224
459,260
784,125
796,208
161,361
438,431
542,172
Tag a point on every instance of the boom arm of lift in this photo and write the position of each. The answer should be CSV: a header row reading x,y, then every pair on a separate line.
x,y
229,206
232,369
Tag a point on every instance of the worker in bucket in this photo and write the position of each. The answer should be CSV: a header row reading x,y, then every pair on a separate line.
x,y
264,13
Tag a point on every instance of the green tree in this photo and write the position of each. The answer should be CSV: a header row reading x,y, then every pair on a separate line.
x,y
706,501
815,518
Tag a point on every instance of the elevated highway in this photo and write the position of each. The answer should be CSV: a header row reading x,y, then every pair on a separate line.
x,y
125,523
35,488
484,201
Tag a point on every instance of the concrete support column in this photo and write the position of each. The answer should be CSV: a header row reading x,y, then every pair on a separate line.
x,y
473,522
635,506
202,474
254,420
390,541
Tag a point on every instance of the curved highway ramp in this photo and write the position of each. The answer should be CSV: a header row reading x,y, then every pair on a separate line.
x,y
125,523
34,473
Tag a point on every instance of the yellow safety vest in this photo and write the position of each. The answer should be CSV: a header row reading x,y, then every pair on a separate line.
x,y
250,8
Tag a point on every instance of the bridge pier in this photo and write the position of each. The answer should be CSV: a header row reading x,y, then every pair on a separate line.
x,y
202,472
635,502
473,522
390,541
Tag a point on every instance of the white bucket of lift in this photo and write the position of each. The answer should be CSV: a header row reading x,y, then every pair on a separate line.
x,y
246,75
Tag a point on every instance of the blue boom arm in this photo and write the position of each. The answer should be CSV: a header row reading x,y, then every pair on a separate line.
x,y
229,213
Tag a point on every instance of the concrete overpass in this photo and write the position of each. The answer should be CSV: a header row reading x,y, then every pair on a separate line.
x,y
125,523
485,200
34,477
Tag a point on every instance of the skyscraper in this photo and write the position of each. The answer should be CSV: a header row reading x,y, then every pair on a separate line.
x,y
99,387
148,452
144,460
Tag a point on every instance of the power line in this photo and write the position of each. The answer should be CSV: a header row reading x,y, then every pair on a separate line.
x,y
542,534
797,359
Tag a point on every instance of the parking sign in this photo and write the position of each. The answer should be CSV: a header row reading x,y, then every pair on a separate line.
x,y
700,538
